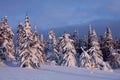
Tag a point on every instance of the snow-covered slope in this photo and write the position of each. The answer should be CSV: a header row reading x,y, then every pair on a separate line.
x,y
55,73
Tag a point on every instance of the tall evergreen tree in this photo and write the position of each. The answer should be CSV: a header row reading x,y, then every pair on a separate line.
x,y
77,45
106,43
6,42
111,52
37,48
94,48
68,51
52,48
19,42
28,49
75,37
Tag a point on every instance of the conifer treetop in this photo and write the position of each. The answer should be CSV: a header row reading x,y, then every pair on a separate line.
x,y
27,23
109,33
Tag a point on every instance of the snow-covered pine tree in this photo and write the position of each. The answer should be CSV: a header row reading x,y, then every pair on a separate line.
x,y
95,52
94,48
37,48
68,51
76,41
28,47
114,60
106,43
6,42
23,44
20,36
52,48
77,45
111,54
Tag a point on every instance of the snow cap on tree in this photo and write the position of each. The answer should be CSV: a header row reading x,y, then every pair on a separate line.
x,y
51,34
27,27
109,34
27,23
94,39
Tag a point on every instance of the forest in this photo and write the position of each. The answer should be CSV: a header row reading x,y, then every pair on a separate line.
x,y
31,50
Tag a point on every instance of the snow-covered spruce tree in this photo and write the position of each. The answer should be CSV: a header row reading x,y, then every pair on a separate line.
x,y
37,48
106,43
20,36
95,52
67,51
43,45
52,48
93,56
114,58
6,42
23,42
110,52
76,41
95,44
77,44
28,47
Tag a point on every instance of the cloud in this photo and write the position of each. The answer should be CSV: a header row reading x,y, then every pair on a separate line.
x,y
58,13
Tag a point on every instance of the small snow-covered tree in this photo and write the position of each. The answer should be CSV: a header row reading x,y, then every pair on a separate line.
x,y
85,59
6,42
114,61
68,51
52,48
114,58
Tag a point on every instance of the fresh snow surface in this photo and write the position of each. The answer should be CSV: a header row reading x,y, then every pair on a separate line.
x,y
56,73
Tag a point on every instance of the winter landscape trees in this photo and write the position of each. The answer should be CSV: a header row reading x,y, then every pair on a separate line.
x,y
67,50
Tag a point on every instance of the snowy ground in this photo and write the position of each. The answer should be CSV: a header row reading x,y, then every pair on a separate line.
x,y
56,73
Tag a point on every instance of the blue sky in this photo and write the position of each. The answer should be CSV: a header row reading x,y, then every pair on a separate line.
x,y
60,13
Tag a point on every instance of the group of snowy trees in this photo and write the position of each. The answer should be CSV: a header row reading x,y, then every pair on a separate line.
x,y
31,50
